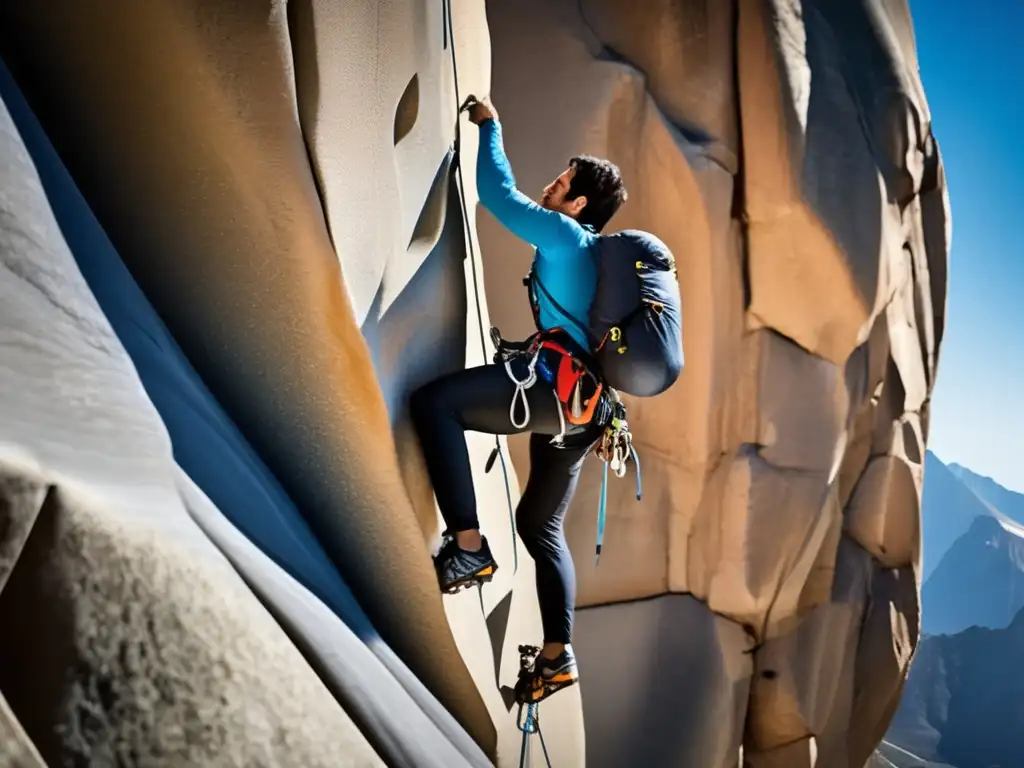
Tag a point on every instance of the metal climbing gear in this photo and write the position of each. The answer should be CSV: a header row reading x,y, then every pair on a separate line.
x,y
615,449
528,717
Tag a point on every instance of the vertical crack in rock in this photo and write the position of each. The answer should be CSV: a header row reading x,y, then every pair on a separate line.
x,y
306,80
738,210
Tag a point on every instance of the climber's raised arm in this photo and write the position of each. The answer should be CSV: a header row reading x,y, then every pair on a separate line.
x,y
496,186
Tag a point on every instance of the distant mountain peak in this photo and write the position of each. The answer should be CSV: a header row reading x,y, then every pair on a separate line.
x,y
984,525
972,606
949,508
1006,504
960,705
989,525
979,581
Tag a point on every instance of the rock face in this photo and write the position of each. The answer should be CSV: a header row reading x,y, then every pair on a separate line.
x,y
134,635
962,700
203,163
784,152
248,243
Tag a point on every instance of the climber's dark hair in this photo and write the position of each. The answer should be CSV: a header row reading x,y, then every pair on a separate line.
x,y
601,182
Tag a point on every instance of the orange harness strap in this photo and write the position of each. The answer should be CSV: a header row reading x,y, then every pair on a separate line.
x,y
570,371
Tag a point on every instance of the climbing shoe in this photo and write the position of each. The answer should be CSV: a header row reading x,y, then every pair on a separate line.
x,y
458,569
547,677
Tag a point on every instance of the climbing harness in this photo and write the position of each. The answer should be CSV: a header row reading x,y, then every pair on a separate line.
x,y
496,453
505,352
568,378
528,717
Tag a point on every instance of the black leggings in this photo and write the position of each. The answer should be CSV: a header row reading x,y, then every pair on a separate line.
x,y
478,400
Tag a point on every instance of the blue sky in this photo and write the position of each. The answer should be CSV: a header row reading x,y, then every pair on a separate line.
x,y
971,56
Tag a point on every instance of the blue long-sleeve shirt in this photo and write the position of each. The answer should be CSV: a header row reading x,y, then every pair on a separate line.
x,y
562,259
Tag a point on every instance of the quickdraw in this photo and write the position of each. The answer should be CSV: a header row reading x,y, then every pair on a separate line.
x,y
615,449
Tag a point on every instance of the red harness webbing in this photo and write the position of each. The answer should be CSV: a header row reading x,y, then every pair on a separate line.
x,y
570,370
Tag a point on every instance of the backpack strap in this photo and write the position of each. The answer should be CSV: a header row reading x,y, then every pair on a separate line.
x,y
534,279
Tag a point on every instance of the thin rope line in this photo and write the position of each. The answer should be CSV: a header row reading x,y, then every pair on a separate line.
x,y
472,260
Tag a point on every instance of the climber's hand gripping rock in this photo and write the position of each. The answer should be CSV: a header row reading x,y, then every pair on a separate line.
x,y
479,109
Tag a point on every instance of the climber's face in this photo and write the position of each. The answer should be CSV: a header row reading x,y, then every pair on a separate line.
x,y
554,196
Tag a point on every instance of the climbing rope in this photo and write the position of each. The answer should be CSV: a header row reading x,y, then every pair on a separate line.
x,y
496,453
528,717
521,387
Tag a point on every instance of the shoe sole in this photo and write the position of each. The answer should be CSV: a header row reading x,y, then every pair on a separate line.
x,y
550,687
481,577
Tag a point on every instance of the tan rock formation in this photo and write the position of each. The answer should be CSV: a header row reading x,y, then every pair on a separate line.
x,y
792,169
272,188
127,636
278,177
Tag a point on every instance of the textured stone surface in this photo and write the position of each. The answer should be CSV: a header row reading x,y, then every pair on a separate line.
x,y
382,696
16,749
277,177
171,660
695,665
20,500
876,514
685,50
813,275
889,635
133,640
405,723
267,222
804,680
797,754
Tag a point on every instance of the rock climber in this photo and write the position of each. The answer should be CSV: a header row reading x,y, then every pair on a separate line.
x,y
500,399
